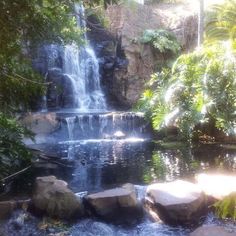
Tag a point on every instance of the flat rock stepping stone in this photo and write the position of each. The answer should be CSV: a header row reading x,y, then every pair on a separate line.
x,y
116,203
177,202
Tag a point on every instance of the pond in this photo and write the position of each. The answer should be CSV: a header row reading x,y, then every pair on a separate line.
x,y
93,165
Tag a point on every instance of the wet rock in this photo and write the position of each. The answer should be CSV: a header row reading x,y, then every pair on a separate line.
x,y
40,123
55,87
7,208
53,197
216,186
117,204
212,230
177,202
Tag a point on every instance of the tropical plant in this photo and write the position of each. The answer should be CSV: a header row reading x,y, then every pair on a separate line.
x,y
200,88
226,208
220,23
13,153
162,40
201,85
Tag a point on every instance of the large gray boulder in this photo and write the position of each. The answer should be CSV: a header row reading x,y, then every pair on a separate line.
x,y
177,202
117,204
212,230
53,197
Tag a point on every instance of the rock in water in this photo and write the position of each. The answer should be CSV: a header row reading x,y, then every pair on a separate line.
x,y
117,204
6,209
212,230
177,202
53,197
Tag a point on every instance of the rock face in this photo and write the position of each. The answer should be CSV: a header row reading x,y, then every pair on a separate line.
x,y
40,124
53,197
216,186
6,209
126,65
177,202
59,89
118,204
212,230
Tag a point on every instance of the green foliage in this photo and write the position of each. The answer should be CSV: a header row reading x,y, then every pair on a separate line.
x,y
13,154
18,92
220,24
200,87
226,208
162,40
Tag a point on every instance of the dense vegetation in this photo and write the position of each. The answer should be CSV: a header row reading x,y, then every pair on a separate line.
x,y
200,86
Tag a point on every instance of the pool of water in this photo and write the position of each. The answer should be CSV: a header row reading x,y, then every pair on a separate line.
x,y
94,165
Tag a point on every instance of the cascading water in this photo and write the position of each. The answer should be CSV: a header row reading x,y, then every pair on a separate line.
x,y
82,68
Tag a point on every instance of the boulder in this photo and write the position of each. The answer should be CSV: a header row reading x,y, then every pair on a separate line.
x,y
216,186
212,230
177,202
41,123
117,204
53,197
7,208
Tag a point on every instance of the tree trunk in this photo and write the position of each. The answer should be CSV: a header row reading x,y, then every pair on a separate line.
x,y
200,22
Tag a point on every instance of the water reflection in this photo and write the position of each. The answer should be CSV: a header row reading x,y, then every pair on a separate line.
x,y
184,163
100,165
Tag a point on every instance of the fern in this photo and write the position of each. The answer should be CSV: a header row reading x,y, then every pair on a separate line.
x,y
162,40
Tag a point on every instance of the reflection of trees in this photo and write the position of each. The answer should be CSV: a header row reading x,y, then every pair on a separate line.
x,y
167,165
156,169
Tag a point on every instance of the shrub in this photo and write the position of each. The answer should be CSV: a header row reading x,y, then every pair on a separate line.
x,y
13,154
199,88
162,40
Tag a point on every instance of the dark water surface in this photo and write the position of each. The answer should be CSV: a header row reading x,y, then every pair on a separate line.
x,y
94,165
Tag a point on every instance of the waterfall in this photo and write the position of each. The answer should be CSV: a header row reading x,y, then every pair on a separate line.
x,y
70,121
82,68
